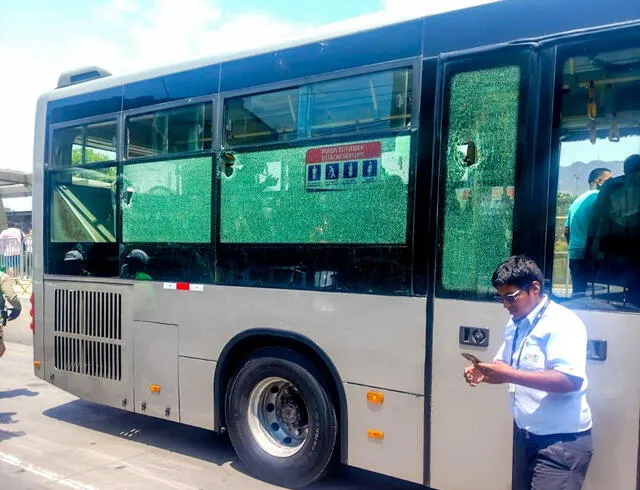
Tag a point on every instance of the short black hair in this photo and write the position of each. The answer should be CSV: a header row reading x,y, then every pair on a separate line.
x,y
632,164
518,271
597,172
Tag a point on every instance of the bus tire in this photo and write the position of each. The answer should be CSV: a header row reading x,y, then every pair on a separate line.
x,y
281,420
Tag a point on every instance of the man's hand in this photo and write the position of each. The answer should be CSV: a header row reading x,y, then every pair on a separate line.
x,y
473,376
2,348
497,372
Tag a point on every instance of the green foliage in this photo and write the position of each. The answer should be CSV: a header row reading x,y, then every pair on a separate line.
x,y
91,156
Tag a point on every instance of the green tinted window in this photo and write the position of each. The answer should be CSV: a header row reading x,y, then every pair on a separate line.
x,y
349,193
479,193
83,206
167,201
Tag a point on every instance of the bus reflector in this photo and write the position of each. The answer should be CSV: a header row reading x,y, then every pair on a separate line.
x,y
32,314
183,286
37,363
154,388
376,397
375,434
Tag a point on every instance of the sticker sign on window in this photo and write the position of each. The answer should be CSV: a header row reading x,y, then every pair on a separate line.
x,y
340,167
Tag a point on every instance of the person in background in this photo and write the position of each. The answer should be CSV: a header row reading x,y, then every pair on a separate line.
x,y
11,241
614,235
543,360
136,265
576,229
73,263
7,291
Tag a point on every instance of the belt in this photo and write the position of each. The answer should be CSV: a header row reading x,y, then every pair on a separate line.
x,y
560,436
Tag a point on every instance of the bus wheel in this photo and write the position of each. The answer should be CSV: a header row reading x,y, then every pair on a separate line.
x,y
280,418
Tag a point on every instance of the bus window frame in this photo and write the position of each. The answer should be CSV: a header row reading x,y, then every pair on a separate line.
x,y
415,64
164,106
525,56
556,52
258,249
113,116
50,169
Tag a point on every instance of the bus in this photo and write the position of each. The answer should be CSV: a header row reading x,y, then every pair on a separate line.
x,y
294,245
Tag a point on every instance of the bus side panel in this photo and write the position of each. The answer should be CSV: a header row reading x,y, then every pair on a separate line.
x,y
399,419
614,397
373,341
196,392
471,428
38,233
88,341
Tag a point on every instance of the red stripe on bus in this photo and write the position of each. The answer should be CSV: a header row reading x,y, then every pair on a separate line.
x,y
182,286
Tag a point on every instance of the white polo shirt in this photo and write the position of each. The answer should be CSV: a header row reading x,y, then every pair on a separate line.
x,y
558,341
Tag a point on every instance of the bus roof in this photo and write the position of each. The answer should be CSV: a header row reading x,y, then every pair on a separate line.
x,y
509,20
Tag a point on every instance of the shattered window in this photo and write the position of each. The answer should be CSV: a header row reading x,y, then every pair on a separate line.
x,y
167,201
480,176
348,193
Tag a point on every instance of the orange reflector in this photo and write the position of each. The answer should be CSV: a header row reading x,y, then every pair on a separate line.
x,y
375,434
37,363
376,397
154,388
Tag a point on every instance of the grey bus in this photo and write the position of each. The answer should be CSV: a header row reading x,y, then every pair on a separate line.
x,y
294,245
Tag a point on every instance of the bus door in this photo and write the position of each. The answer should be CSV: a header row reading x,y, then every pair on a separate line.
x,y
485,116
594,131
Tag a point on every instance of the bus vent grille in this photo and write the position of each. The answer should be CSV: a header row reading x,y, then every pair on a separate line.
x,y
88,332
89,357
89,313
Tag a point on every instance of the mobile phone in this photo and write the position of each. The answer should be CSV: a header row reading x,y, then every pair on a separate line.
x,y
470,357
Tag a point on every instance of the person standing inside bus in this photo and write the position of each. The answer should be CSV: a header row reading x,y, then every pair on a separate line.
x,y
576,228
8,291
543,361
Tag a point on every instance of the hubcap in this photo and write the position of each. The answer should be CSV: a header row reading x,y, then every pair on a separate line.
x,y
278,417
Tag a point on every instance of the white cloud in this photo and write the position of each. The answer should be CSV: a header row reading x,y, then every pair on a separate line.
x,y
429,7
144,35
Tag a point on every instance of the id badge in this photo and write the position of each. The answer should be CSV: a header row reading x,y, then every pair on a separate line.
x,y
511,388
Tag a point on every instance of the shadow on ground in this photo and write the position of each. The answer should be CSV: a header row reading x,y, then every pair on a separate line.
x,y
7,418
196,443
17,392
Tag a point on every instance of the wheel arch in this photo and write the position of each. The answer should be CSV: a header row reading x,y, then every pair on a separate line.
x,y
249,341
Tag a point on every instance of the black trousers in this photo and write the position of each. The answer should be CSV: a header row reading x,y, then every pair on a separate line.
x,y
552,462
580,275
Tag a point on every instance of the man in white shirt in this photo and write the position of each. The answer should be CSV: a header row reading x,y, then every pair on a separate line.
x,y
543,360
11,243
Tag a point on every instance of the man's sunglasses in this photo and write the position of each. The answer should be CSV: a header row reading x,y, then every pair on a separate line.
x,y
511,298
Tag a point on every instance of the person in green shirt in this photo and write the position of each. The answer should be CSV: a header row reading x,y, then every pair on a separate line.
x,y
576,229
136,265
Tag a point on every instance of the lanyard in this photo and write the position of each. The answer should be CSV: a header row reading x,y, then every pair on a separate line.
x,y
533,325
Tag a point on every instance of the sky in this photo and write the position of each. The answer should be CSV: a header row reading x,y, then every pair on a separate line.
x,y
40,39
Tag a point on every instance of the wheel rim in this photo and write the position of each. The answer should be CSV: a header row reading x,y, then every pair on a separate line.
x,y
278,417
